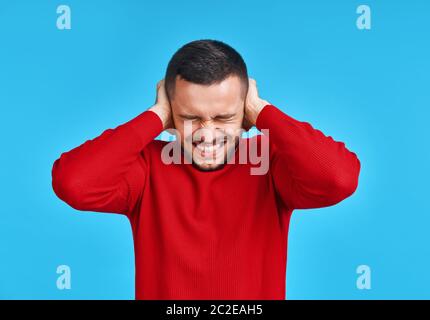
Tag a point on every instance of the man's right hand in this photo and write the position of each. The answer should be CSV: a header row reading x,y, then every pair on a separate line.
x,y
162,106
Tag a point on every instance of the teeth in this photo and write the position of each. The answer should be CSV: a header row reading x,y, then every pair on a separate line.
x,y
208,148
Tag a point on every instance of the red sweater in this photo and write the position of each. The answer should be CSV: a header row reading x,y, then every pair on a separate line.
x,y
207,235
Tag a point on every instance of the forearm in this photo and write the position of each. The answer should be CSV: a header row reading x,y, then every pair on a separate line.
x,y
98,165
317,170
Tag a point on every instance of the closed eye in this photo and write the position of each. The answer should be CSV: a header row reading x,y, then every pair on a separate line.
x,y
188,117
225,117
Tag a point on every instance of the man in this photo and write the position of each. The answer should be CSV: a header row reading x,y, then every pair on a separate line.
x,y
207,228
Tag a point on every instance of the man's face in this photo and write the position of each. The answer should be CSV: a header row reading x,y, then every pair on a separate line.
x,y
209,119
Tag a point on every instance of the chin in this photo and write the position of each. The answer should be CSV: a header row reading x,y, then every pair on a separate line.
x,y
208,166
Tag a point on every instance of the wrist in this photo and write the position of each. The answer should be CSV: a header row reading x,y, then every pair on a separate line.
x,y
254,108
162,114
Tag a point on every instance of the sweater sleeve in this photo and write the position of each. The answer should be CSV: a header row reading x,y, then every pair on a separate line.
x,y
309,169
107,173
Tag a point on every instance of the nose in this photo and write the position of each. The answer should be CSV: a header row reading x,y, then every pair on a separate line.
x,y
208,124
205,134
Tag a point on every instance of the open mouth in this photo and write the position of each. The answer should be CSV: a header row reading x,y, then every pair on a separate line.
x,y
207,149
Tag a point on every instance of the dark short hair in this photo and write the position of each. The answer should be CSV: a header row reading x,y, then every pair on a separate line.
x,y
205,62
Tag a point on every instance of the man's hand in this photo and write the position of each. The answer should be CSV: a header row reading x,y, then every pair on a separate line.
x,y
253,105
162,106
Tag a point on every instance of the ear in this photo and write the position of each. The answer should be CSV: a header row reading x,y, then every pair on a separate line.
x,y
246,125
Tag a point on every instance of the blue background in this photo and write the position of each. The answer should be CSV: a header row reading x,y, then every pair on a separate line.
x,y
368,88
